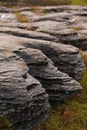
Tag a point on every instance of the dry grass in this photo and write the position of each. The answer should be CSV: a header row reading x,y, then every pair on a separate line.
x,y
77,28
79,2
42,2
36,2
49,2
21,18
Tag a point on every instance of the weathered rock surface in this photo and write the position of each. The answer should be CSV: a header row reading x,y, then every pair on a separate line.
x,y
5,10
27,33
66,57
7,17
22,98
58,85
36,58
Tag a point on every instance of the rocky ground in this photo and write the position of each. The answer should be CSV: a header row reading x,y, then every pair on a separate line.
x,y
40,60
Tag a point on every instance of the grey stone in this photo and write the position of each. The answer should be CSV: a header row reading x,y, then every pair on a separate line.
x,y
38,56
16,25
49,26
22,9
27,33
79,40
23,101
66,57
5,9
7,17
58,85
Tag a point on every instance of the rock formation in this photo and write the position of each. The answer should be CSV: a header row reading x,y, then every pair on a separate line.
x,y
58,85
38,61
22,98
66,57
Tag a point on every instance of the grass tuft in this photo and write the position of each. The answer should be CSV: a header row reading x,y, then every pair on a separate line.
x,y
21,18
4,123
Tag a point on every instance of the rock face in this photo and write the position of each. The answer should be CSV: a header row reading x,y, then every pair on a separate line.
x,y
22,98
66,57
58,85
38,61
28,34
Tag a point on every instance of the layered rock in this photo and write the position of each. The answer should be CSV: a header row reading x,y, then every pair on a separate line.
x,y
27,33
58,85
66,57
8,17
23,101
35,59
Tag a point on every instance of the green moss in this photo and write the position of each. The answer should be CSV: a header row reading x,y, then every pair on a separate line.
x,y
4,123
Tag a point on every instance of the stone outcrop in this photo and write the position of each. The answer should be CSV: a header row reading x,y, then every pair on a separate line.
x,y
38,61
27,34
58,85
66,57
22,98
